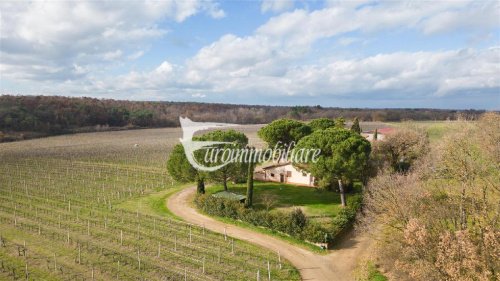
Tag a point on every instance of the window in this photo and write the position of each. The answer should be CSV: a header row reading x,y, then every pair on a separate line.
x,y
272,174
304,174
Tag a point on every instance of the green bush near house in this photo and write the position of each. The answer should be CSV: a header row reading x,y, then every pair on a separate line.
x,y
294,223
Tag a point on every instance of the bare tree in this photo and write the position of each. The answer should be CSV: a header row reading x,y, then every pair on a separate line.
x,y
268,200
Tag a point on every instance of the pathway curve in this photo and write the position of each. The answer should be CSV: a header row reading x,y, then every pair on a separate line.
x,y
336,266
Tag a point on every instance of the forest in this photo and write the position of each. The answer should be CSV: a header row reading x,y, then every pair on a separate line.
x,y
25,117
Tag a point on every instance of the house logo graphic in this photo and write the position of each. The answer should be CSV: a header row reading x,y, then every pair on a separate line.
x,y
189,128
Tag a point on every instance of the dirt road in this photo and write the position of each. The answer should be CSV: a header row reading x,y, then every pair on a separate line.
x,y
337,265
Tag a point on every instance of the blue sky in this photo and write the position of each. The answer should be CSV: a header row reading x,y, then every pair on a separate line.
x,y
434,54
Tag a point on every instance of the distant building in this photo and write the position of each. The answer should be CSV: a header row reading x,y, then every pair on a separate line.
x,y
381,133
285,173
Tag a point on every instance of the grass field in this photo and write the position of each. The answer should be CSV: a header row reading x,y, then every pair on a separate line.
x,y
91,207
435,129
314,202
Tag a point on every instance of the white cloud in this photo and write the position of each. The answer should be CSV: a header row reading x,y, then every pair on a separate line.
x,y
165,68
286,38
111,56
481,16
276,5
230,52
346,41
136,55
198,95
268,62
44,39
415,75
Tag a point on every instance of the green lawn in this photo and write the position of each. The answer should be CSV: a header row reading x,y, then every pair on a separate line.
x,y
153,204
312,201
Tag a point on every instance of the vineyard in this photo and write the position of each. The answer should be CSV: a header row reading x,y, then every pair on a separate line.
x,y
61,219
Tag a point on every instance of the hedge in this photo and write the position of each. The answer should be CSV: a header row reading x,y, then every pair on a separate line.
x,y
293,223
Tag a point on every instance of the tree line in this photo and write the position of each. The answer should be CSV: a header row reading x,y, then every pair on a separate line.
x,y
50,115
434,208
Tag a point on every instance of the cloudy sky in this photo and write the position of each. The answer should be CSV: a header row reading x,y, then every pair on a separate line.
x,y
437,54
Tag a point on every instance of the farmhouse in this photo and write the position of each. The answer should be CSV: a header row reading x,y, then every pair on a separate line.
x,y
285,173
381,134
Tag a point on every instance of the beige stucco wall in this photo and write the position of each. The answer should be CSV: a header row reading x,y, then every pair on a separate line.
x,y
369,136
296,177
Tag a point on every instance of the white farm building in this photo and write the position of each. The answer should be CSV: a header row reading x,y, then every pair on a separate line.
x,y
285,173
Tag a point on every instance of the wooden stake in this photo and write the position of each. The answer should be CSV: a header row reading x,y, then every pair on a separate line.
x,y
139,259
118,270
279,259
268,271
232,246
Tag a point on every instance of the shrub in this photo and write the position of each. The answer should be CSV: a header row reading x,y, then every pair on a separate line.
x,y
314,232
345,218
298,221
294,223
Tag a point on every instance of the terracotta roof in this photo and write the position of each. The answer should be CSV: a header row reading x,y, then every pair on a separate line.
x,y
383,131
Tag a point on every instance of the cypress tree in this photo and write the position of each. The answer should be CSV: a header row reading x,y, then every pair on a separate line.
x,y
249,199
200,184
355,126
